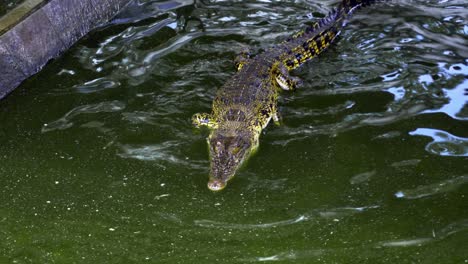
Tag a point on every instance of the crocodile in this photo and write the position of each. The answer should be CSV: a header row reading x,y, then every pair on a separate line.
x,y
247,102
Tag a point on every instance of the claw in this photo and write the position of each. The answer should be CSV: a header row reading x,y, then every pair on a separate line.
x,y
276,119
285,80
203,119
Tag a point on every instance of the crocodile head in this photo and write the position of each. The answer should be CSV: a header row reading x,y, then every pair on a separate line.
x,y
228,150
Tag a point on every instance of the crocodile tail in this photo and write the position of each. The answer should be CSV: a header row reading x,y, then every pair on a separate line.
x,y
312,41
347,7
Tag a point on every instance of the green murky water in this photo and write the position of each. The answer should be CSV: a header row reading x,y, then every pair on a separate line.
x,y
100,164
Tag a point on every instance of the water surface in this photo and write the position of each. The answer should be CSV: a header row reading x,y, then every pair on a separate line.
x,y
100,163
7,5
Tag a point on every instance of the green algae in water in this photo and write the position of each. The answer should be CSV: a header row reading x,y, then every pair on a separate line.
x,y
100,162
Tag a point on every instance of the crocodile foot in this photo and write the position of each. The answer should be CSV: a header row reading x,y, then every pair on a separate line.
x,y
285,80
203,119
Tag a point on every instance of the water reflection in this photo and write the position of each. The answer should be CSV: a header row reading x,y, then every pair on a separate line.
x,y
432,189
406,163
66,121
152,153
97,85
362,177
457,106
333,214
366,248
141,9
444,143
161,154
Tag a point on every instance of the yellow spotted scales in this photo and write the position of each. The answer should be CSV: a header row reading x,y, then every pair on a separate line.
x,y
247,102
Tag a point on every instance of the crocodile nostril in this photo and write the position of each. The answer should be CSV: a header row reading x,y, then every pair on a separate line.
x,y
216,185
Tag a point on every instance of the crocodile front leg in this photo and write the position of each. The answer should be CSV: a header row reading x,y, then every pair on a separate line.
x,y
285,80
276,118
204,119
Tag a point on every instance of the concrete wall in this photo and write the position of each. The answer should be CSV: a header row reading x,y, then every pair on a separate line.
x,y
43,32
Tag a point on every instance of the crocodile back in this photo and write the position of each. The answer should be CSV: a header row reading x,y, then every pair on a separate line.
x,y
248,99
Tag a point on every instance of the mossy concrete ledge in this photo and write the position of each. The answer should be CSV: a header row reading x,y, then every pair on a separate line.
x,y
39,30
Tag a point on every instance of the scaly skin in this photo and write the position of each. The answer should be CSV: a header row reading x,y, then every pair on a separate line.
x,y
248,101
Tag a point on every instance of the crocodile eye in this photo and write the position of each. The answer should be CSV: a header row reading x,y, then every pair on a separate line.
x,y
235,150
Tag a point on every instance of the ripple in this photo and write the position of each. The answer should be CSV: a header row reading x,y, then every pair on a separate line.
x,y
362,177
139,10
292,255
398,92
333,110
159,152
432,189
388,118
257,183
313,253
151,152
98,126
216,224
457,102
65,121
406,242
333,214
388,135
443,233
451,229
444,143
405,163
350,122
97,85
139,117
171,46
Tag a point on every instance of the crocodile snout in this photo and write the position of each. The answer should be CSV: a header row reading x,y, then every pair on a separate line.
x,y
216,185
